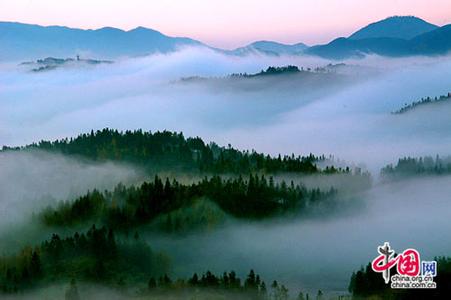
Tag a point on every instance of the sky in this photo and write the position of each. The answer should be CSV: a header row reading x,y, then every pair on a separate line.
x,y
226,23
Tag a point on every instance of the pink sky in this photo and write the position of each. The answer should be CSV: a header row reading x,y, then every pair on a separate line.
x,y
226,23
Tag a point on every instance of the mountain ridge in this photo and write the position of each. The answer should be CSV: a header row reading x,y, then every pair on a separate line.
x,y
432,43
28,41
403,27
22,41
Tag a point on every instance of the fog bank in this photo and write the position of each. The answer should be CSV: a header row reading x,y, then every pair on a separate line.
x,y
322,253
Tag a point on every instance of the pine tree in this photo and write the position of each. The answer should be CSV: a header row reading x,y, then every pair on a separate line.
x,y
35,264
152,284
72,292
300,296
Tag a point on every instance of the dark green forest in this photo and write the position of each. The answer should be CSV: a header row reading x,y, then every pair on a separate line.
x,y
95,256
409,166
99,257
169,150
233,184
127,207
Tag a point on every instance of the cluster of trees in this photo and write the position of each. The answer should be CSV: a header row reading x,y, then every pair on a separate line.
x,y
427,165
367,284
271,70
201,215
253,286
290,69
99,256
172,150
225,286
423,101
125,207
96,256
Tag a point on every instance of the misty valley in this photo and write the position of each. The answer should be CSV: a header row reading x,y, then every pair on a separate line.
x,y
136,165
116,237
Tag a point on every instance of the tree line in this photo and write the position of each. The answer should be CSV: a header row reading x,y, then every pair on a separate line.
x,y
127,207
97,256
409,166
287,70
252,286
225,286
422,102
162,150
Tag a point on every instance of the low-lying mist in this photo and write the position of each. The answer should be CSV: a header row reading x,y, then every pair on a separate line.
x,y
96,292
31,180
322,253
345,113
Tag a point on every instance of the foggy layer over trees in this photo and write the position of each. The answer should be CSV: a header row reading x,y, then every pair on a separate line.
x,y
243,196
94,256
314,114
345,116
97,256
240,194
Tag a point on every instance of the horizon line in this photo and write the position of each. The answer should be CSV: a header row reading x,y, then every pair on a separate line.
x,y
122,29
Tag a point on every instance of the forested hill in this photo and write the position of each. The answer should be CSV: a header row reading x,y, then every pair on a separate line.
x,y
423,102
275,72
162,150
100,256
254,198
410,166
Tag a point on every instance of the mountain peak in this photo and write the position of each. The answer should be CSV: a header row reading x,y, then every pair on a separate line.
x,y
142,29
401,27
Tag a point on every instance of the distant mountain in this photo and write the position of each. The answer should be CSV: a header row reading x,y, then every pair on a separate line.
x,y
435,42
342,48
394,36
25,42
270,48
405,27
